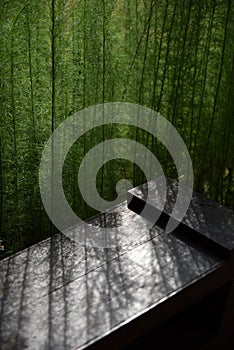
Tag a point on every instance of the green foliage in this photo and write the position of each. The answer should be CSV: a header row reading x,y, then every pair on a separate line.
x,y
58,57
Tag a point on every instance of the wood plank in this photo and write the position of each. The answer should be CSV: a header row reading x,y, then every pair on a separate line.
x,y
205,218
60,295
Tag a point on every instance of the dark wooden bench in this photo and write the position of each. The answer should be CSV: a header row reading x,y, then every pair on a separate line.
x,y
60,295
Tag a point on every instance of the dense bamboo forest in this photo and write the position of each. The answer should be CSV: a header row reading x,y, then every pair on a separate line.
x,y
61,56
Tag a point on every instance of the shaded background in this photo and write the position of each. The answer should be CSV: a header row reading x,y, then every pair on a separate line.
x,y
58,57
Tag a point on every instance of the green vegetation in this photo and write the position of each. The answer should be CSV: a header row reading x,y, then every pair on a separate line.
x,y
58,57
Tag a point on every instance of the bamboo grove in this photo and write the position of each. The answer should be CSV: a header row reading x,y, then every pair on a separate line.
x,y
60,56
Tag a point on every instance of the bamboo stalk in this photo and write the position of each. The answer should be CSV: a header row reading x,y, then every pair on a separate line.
x,y
31,77
167,55
219,76
178,83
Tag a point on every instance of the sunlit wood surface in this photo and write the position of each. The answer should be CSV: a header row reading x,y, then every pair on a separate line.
x,y
205,217
61,295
